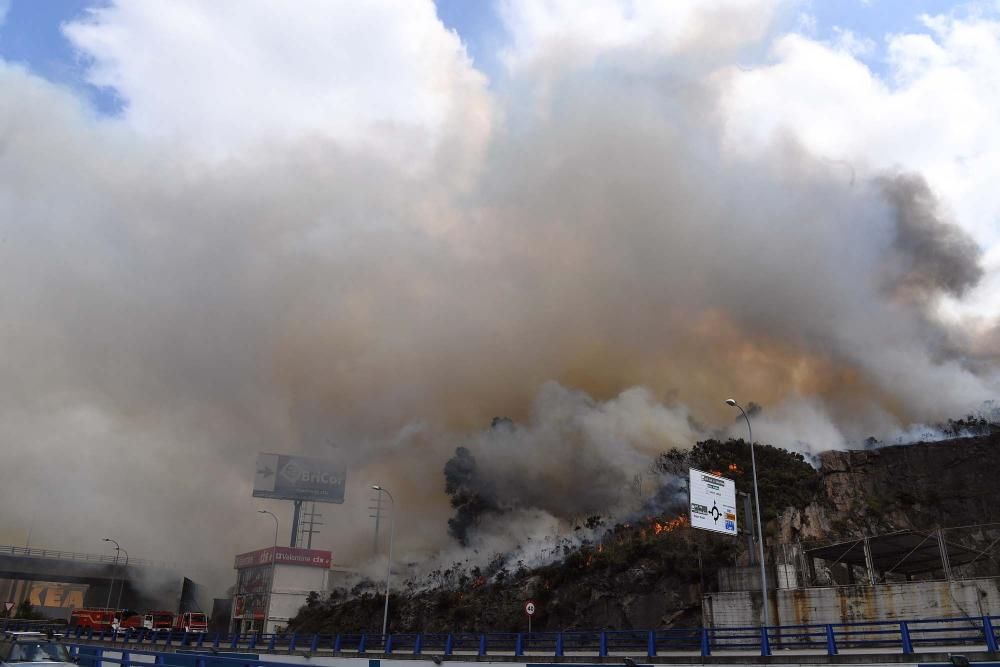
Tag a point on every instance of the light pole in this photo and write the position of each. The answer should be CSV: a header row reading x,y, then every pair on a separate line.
x,y
388,567
756,499
113,570
121,586
270,583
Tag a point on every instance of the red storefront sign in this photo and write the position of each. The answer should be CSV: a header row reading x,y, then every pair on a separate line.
x,y
285,556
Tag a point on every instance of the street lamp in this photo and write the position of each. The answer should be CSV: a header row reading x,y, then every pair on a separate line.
x,y
121,587
388,567
270,583
756,498
113,570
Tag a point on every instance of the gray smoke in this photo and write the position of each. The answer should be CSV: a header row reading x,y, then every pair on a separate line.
x,y
600,269
934,256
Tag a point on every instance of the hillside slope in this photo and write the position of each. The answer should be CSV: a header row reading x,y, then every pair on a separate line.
x,y
651,572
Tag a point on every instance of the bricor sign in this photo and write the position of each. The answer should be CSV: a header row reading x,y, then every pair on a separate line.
x,y
299,478
713,502
285,556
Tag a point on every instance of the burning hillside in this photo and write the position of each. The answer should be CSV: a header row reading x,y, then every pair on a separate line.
x,y
651,569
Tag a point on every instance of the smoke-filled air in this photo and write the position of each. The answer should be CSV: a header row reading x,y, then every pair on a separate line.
x,y
327,228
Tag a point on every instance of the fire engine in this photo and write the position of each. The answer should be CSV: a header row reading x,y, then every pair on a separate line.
x,y
191,621
98,619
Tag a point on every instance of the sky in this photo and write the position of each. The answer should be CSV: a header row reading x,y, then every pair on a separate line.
x,y
362,230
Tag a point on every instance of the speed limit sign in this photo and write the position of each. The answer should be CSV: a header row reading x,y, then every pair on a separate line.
x,y
529,607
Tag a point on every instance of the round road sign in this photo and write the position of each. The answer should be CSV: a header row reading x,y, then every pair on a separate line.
x,y
529,607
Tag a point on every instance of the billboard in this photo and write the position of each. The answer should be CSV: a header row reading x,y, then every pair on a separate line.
x,y
285,556
713,502
299,478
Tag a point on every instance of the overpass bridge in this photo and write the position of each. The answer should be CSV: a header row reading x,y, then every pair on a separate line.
x,y
55,581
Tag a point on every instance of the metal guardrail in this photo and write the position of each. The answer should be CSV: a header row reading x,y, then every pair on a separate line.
x,y
36,552
905,637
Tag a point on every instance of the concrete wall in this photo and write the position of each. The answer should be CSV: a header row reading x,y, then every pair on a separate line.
x,y
902,601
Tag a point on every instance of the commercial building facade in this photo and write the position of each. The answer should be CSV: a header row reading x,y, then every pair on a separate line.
x,y
275,582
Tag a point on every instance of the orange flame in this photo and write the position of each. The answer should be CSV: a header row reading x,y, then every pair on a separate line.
x,y
671,525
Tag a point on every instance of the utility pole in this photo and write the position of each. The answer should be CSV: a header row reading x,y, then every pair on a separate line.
x,y
377,516
307,527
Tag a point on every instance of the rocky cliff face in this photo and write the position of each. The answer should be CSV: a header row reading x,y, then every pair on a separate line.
x,y
921,486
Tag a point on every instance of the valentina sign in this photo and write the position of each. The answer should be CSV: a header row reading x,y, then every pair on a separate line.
x,y
285,556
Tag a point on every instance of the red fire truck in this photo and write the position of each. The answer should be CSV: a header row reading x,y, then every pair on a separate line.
x,y
98,619
191,621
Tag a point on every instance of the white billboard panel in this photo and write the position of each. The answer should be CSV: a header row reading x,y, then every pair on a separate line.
x,y
713,502
299,478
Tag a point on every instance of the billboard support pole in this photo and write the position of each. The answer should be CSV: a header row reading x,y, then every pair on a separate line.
x,y
295,523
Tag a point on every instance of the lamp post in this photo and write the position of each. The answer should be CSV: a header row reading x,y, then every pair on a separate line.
x,y
756,498
114,568
388,567
270,583
121,586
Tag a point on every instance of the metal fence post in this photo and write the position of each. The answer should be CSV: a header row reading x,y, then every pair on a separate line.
x,y
253,641
201,639
706,646
989,635
904,635
602,647
336,644
314,646
765,642
651,644
215,644
361,643
387,644
126,660
184,639
559,645
235,640
482,644
831,641
272,641
418,644
449,644
519,644
291,643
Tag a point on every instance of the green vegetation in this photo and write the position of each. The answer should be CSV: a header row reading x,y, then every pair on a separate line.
x,y
785,478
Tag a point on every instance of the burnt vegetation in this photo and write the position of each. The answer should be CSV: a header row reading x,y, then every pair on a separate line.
x,y
646,572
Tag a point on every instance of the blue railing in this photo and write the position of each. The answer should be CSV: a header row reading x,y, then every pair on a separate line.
x,y
907,637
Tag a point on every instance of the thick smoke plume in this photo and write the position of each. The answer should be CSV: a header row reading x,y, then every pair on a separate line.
x,y
574,247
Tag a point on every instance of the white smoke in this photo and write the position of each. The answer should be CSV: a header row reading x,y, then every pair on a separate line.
x,y
320,230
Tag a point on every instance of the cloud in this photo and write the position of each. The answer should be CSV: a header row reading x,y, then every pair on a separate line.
x,y
932,114
317,231
381,76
